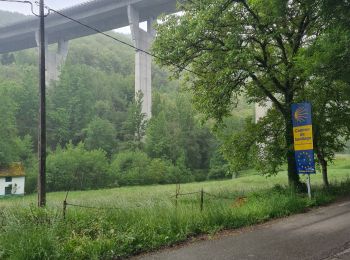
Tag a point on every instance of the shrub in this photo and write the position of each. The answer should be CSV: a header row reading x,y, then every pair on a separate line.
x,y
130,168
136,168
76,168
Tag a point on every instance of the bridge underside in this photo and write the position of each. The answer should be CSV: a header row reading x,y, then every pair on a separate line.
x,y
104,15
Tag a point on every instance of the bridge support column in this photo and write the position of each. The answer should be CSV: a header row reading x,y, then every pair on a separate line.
x,y
143,62
54,59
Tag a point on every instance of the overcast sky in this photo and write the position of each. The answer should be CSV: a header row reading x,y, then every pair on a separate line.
x,y
55,4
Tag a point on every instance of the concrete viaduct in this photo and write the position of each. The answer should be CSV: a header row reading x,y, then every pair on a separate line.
x,y
104,15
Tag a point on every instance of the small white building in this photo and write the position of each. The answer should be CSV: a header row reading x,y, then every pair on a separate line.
x,y
12,180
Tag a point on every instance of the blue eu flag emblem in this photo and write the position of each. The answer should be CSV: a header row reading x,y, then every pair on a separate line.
x,y
305,161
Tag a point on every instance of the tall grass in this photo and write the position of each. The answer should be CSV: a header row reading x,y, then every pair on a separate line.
x,y
146,218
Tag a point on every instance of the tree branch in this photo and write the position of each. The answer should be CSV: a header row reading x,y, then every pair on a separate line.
x,y
268,94
283,49
266,65
301,30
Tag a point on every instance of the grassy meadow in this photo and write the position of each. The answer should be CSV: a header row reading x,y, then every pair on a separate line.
x,y
130,220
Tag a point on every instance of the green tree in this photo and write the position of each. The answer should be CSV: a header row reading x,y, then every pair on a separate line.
x,y
243,47
329,90
160,143
101,133
219,167
8,131
75,168
331,115
130,168
175,132
134,127
71,101
26,98
258,145
328,58
96,81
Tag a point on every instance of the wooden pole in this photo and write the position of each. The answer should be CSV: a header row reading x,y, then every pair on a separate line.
x,y
64,209
202,199
65,205
42,113
177,193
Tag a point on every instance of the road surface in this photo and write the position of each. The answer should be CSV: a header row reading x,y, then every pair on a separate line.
x,y
322,233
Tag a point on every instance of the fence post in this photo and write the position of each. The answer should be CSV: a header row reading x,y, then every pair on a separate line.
x,y
65,205
64,209
177,193
176,199
202,199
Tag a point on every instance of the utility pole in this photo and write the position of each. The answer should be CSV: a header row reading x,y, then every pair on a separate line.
x,y
42,113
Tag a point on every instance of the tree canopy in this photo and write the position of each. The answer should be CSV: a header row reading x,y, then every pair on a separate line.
x,y
253,48
93,115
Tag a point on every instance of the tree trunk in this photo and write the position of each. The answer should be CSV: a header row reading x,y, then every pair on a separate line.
x,y
293,177
324,170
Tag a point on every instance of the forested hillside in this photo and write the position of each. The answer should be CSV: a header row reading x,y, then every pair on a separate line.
x,y
97,136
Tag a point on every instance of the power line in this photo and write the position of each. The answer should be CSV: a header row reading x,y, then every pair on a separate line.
x,y
17,1
120,41
98,31
23,2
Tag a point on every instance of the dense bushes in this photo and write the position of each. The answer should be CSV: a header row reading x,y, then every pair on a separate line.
x,y
132,168
75,168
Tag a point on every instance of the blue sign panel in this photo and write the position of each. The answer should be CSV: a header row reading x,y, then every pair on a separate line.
x,y
305,161
303,139
301,114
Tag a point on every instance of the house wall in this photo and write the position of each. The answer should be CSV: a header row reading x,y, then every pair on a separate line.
x,y
19,181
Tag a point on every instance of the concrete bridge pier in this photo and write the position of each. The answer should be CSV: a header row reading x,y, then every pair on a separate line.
x,y
143,62
54,59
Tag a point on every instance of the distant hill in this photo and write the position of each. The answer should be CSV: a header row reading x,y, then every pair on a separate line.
x,y
7,18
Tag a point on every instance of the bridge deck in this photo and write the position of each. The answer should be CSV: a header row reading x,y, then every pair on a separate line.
x,y
104,15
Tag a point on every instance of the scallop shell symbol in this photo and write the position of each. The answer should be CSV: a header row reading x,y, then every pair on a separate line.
x,y
300,115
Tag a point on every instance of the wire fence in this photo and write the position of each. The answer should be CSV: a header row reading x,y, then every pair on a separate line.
x,y
237,199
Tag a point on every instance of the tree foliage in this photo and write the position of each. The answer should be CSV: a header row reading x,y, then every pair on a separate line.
x,y
8,125
93,115
253,48
75,168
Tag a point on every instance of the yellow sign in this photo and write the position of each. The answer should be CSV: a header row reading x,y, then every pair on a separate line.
x,y
303,138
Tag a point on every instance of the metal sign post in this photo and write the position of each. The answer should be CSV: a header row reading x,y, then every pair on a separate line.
x,y
308,183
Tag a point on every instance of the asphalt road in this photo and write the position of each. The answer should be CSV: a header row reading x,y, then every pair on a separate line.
x,y
322,233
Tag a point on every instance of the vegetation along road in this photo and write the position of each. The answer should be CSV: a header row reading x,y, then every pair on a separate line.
x,y
127,221
320,234
218,153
